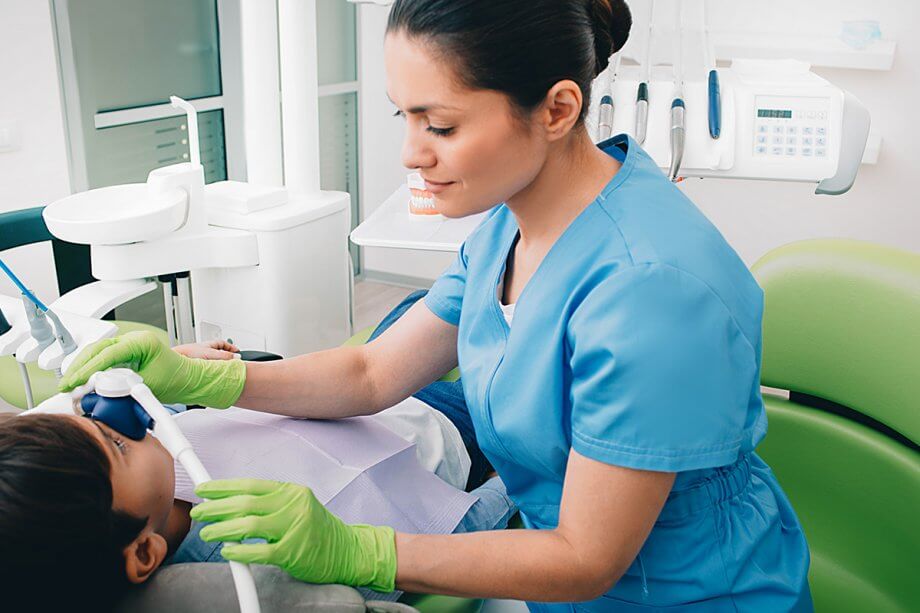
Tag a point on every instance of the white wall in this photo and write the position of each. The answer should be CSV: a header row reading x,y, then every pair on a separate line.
x,y
882,206
754,216
381,142
37,173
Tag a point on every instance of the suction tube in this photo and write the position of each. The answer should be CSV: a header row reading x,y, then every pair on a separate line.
x,y
120,382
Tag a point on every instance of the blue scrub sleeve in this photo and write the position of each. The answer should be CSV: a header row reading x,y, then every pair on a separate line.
x,y
445,298
661,372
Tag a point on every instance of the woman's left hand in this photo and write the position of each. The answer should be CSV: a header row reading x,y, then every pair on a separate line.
x,y
303,538
211,350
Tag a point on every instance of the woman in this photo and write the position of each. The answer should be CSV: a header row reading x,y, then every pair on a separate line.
x,y
608,337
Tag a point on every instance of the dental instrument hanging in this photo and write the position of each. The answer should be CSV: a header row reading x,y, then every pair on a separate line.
x,y
678,108
642,93
715,94
605,112
36,310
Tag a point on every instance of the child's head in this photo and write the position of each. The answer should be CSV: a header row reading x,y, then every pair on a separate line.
x,y
82,510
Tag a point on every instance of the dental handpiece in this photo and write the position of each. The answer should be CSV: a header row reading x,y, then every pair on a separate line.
x,y
641,112
605,118
677,137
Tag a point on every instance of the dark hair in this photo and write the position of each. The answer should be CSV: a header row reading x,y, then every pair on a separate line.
x,y
519,47
62,540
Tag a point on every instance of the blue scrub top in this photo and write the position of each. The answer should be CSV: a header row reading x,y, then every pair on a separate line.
x,y
637,343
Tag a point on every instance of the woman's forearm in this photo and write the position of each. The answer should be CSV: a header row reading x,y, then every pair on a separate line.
x,y
325,384
535,565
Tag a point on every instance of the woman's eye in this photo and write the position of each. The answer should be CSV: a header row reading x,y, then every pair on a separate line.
x,y
120,444
399,113
440,131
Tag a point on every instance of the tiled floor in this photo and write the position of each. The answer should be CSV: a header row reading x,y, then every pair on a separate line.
x,y
374,300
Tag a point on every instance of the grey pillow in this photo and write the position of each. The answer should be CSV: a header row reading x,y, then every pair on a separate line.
x,y
204,588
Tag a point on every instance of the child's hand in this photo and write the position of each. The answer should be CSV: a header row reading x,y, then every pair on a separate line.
x,y
212,350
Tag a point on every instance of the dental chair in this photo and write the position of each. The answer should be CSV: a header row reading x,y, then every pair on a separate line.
x,y
842,334
72,265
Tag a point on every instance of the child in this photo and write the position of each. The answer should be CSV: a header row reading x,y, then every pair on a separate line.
x,y
85,511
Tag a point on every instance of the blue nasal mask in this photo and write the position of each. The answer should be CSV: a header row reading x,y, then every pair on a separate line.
x,y
122,414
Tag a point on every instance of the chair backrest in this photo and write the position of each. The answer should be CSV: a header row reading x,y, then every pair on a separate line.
x,y
26,227
842,323
842,333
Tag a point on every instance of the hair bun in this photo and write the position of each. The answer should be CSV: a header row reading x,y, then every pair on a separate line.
x,y
611,21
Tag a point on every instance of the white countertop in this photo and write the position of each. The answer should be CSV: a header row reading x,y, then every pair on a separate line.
x,y
391,225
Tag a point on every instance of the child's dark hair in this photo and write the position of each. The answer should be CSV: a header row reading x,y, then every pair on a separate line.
x,y
62,540
519,47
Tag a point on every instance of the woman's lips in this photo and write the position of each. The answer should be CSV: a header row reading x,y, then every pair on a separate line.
x,y
436,187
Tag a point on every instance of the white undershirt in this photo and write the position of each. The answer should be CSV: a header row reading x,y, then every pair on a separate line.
x,y
507,309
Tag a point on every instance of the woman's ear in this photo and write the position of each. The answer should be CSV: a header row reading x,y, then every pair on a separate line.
x,y
144,555
562,108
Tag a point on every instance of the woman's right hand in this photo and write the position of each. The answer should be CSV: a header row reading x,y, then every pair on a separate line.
x,y
173,378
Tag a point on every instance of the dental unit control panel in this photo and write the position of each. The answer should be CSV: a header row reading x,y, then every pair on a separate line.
x,y
780,122
799,130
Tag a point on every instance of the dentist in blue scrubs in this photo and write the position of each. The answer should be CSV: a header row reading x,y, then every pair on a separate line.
x,y
609,341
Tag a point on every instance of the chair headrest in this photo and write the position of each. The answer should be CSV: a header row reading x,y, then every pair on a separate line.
x,y
842,322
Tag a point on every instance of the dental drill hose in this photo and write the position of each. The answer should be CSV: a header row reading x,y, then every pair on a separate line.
x,y
678,134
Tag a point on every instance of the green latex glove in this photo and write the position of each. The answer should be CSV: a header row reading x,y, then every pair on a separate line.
x,y
171,377
304,539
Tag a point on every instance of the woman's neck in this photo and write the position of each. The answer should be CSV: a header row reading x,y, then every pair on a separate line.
x,y
574,174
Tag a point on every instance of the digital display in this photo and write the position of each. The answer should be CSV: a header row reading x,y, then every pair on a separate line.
x,y
774,114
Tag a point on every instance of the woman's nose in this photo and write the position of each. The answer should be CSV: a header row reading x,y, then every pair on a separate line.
x,y
415,153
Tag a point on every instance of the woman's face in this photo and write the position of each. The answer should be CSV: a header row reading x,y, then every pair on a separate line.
x,y
468,145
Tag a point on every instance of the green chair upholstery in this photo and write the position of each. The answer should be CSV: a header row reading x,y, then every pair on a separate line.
x,y
842,333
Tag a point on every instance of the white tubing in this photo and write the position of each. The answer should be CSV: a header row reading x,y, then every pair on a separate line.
x,y
26,385
169,434
299,95
191,115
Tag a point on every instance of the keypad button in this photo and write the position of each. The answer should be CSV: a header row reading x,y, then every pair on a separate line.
x,y
821,131
807,140
821,153
761,139
808,130
822,115
791,140
761,150
790,150
778,129
792,130
821,141
806,151
776,150
762,129
778,140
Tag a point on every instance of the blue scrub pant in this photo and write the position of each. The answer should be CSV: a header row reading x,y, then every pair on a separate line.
x,y
730,544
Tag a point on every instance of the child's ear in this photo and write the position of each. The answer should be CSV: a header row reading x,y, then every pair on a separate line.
x,y
144,555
